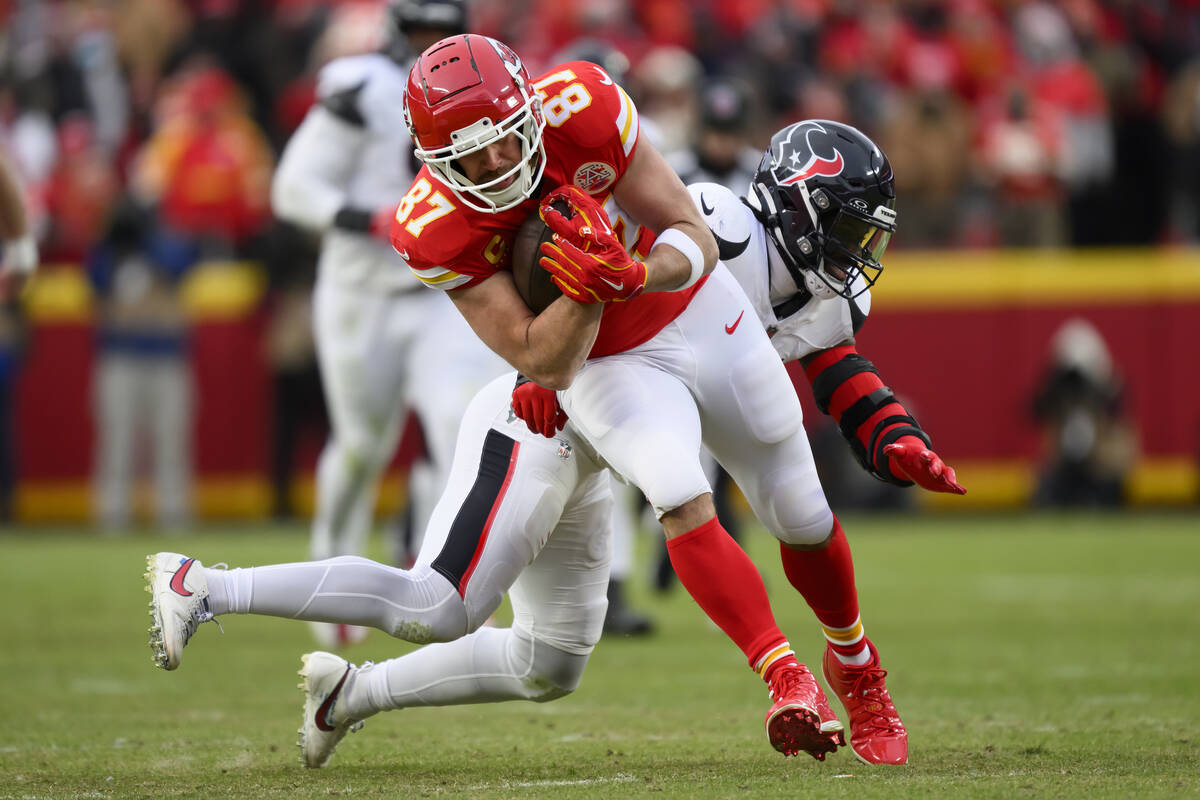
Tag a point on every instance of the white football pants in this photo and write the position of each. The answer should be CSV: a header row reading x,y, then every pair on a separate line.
x,y
521,514
710,377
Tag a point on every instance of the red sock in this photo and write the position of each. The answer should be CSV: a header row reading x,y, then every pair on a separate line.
x,y
825,578
724,582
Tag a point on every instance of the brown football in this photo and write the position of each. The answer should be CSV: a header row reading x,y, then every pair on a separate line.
x,y
533,282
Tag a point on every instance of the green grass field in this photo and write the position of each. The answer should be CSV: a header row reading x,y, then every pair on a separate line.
x,y
1030,656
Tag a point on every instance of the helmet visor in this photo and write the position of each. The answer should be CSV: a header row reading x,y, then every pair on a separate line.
x,y
863,239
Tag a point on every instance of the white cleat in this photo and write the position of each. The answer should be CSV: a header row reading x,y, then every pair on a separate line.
x,y
324,723
336,635
178,603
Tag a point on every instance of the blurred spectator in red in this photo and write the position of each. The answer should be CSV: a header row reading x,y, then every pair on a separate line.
x,y
81,191
666,22
207,167
1059,80
983,48
1019,150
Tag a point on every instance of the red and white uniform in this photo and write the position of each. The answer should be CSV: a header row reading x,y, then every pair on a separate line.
x,y
448,245
670,371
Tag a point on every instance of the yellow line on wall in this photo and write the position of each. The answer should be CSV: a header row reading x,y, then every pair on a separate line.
x,y
990,485
998,278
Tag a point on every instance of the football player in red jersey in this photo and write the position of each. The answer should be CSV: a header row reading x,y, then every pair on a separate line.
x,y
644,351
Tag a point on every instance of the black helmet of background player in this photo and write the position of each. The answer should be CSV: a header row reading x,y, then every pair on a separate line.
x,y
825,194
598,52
724,107
415,25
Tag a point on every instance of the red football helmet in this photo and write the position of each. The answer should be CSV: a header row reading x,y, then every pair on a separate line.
x,y
465,93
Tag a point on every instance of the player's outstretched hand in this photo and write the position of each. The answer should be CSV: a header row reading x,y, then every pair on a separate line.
x,y
538,406
585,259
912,459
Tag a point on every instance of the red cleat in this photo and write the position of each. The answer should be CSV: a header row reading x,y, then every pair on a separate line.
x,y
877,736
801,718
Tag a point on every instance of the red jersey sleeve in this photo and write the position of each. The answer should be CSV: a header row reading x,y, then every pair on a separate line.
x,y
591,125
447,244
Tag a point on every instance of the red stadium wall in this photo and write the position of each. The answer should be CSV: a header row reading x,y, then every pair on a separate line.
x,y
963,336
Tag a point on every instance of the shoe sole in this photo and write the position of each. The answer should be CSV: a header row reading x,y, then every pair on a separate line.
x,y
158,646
796,728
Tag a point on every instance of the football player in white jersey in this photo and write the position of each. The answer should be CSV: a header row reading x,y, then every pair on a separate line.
x,y
805,245
515,498
384,345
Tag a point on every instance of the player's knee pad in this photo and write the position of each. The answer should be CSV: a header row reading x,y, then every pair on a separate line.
x,y
553,673
429,610
668,489
799,513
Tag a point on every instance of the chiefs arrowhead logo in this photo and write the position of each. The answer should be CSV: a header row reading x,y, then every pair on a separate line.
x,y
595,176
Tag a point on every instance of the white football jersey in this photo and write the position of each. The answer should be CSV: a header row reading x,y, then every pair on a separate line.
x,y
798,323
351,151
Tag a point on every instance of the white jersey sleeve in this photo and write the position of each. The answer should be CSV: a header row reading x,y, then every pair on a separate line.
x,y
329,163
797,323
309,186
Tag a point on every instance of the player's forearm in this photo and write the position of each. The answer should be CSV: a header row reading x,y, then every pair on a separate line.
x,y
558,341
309,187
669,268
549,348
304,201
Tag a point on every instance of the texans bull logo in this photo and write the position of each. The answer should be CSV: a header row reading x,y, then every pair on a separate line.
x,y
813,139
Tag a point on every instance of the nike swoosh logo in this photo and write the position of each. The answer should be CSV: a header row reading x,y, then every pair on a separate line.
x,y
727,251
731,328
179,576
323,709
704,206
403,253
617,286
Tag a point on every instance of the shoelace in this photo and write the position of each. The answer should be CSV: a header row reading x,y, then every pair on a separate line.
x,y
201,613
786,682
878,703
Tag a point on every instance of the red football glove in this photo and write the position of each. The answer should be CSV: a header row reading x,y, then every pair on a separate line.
x,y
381,223
538,406
911,459
585,260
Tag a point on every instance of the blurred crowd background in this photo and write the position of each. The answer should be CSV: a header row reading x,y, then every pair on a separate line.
x,y
146,131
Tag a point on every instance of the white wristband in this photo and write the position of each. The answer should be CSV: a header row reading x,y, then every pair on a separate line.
x,y
21,254
691,251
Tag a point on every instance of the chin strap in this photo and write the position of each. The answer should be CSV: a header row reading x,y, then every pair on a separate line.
x,y
847,387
